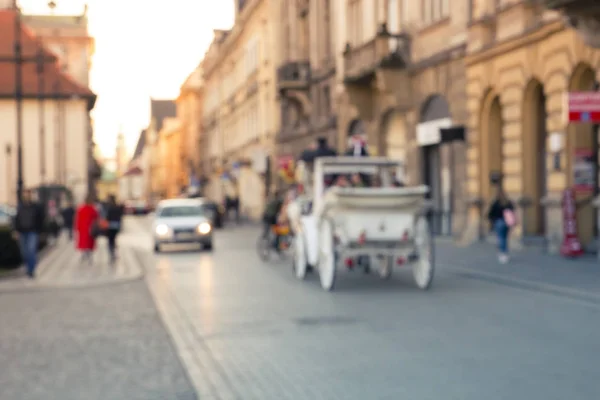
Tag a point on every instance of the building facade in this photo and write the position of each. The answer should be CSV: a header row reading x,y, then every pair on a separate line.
x,y
305,75
68,37
170,173
581,15
521,62
401,83
54,122
240,114
189,113
159,111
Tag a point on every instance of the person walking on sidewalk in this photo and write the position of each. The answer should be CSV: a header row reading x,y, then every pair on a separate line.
x,y
68,216
502,218
114,217
86,220
29,224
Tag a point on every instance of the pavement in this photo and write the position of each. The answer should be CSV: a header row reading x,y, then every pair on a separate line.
x,y
86,332
529,268
98,343
61,267
223,325
249,330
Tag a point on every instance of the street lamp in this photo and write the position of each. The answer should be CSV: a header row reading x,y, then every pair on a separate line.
x,y
57,132
41,112
18,40
8,151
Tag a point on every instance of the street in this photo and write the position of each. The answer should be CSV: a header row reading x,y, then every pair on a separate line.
x,y
243,329
249,330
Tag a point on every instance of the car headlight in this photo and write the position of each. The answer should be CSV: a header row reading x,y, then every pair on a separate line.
x,y
162,230
204,228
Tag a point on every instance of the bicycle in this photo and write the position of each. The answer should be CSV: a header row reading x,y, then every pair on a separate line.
x,y
266,243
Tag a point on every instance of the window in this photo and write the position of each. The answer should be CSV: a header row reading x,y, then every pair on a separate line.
x,y
326,100
393,22
404,16
327,28
181,211
354,23
252,56
435,10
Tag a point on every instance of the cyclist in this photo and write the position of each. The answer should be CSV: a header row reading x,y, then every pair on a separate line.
x,y
271,213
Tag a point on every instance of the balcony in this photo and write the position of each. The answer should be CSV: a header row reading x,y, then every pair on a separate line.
x,y
581,15
293,75
384,51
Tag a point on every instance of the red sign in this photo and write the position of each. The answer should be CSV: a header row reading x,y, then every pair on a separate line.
x,y
584,106
571,247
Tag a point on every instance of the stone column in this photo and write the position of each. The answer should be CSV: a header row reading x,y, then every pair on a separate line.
x,y
554,222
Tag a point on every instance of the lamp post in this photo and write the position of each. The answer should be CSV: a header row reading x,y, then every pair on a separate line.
x,y
8,151
57,146
58,120
18,40
41,112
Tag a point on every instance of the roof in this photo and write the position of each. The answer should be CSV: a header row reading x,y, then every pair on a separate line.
x,y
161,109
56,82
46,20
139,147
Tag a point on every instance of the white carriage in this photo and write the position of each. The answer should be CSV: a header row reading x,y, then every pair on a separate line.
x,y
335,226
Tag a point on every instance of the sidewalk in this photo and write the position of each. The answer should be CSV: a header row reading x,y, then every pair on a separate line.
x,y
529,266
61,267
98,343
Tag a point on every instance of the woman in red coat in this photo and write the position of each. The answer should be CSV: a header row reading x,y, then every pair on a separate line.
x,y
86,217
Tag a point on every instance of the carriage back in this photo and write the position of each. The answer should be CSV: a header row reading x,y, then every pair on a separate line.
x,y
375,214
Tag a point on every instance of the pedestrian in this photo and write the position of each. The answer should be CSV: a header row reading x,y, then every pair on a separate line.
x,y
29,224
68,216
270,213
53,220
86,227
232,199
114,218
357,146
502,218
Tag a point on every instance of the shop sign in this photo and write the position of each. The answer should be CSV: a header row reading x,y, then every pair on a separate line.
x,y
584,171
583,107
429,133
571,247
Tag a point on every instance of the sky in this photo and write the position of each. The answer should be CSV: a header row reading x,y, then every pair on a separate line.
x,y
144,48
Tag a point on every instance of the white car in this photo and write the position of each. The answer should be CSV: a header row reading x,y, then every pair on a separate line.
x,y
182,221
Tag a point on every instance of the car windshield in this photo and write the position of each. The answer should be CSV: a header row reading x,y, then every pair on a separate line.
x,y
181,211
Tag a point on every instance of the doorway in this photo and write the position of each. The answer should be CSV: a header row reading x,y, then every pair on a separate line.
x,y
432,178
535,157
582,137
491,138
436,167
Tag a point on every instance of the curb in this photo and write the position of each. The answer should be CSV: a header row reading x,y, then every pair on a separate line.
x,y
524,284
34,286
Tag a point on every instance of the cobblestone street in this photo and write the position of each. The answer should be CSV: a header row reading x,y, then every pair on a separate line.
x,y
238,328
85,332
248,330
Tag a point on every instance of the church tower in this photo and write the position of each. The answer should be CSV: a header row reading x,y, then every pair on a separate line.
x,y
121,155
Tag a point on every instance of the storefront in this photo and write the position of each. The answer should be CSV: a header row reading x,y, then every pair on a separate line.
x,y
436,137
519,131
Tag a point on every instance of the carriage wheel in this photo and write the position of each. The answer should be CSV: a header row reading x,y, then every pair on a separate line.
x,y
423,267
300,263
326,256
